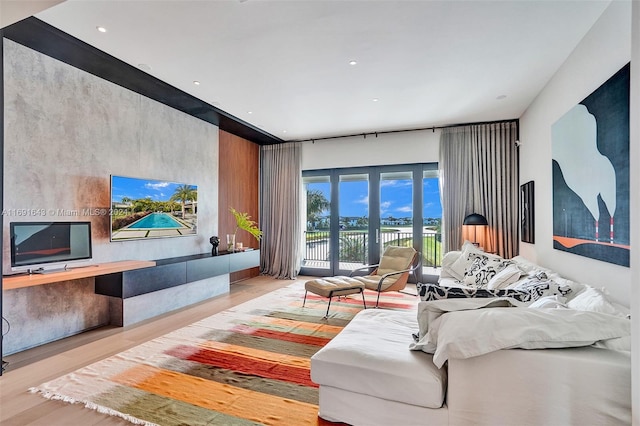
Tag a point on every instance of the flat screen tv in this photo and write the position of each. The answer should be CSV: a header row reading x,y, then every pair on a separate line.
x,y
148,208
37,243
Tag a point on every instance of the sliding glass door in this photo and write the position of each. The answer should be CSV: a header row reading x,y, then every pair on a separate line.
x,y
396,209
317,234
353,214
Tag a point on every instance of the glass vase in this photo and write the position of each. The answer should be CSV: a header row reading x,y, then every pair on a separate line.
x,y
231,243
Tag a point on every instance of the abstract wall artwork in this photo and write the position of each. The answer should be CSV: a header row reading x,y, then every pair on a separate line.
x,y
590,150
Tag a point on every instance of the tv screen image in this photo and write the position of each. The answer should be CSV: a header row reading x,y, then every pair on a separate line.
x,y
35,243
148,208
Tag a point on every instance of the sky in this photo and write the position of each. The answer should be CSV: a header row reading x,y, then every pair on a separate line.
x,y
136,189
396,198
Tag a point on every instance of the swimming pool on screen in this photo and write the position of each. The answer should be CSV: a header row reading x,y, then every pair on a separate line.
x,y
156,221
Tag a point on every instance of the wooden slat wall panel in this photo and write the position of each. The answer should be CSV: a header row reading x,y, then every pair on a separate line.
x,y
238,187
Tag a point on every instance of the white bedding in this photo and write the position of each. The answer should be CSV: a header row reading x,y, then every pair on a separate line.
x,y
464,328
370,357
551,387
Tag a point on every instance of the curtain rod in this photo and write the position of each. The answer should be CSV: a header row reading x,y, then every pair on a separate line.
x,y
432,128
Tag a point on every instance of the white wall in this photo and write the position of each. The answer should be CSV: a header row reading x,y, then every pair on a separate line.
x,y
603,51
390,148
635,208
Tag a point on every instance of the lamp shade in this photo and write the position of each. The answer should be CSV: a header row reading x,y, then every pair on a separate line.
x,y
475,219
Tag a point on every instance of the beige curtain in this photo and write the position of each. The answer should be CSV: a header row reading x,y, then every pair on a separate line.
x,y
280,221
479,174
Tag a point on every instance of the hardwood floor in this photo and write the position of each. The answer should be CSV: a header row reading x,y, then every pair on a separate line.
x,y
32,367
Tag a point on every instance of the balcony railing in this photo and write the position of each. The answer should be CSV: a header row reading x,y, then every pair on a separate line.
x,y
353,247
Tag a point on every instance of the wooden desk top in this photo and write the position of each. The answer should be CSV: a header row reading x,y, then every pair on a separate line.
x,y
19,281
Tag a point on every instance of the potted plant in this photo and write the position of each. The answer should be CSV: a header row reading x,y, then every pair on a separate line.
x,y
244,222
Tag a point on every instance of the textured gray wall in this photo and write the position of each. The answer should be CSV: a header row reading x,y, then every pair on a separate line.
x,y
66,132
45,313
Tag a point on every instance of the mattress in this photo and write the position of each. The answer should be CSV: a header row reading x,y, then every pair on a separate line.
x,y
356,409
371,356
571,386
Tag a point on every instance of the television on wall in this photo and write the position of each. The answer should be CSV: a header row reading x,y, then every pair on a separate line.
x,y
148,208
37,243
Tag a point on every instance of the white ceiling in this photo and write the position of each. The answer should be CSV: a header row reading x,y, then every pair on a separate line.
x,y
283,65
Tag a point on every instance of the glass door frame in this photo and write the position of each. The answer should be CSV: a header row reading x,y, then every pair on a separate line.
x,y
374,173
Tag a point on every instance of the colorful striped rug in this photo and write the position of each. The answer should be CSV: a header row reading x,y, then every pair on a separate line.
x,y
245,366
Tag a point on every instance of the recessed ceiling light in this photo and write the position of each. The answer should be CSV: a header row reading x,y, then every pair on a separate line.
x,y
352,62
375,99
284,131
249,112
101,29
196,82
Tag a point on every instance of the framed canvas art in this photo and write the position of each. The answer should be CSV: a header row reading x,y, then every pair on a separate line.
x,y
527,230
590,150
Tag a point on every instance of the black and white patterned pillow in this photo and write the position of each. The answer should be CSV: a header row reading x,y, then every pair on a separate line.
x,y
527,293
428,292
482,269
539,285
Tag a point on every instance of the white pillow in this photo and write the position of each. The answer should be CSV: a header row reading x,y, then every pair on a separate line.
x,y
527,266
538,285
458,268
452,265
451,336
564,282
504,278
447,260
552,302
594,300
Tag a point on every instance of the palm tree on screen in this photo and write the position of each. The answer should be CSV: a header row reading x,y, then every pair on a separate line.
x,y
127,201
184,193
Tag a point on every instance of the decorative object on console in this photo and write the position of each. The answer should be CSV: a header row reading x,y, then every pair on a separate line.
x,y
475,220
231,243
215,241
244,222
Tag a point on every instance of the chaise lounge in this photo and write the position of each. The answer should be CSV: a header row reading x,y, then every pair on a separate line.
x,y
391,274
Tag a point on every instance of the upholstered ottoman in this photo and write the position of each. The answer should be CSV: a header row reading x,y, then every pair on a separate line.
x,y
368,375
334,286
